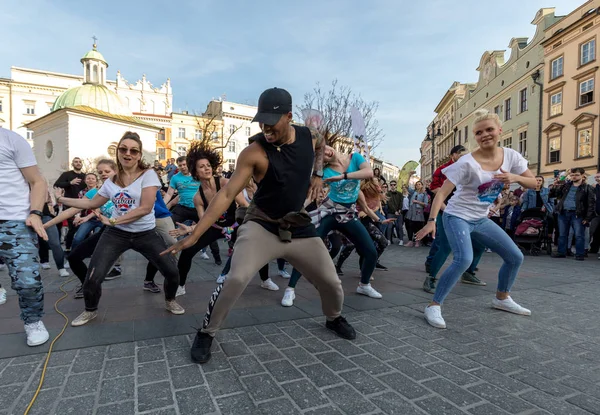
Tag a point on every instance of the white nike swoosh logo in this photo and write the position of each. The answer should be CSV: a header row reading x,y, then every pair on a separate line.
x,y
276,107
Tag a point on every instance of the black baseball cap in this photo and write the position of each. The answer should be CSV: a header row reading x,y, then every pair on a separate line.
x,y
458,149
272,104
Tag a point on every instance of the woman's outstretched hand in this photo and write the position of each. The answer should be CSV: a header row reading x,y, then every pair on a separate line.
x,y
426,230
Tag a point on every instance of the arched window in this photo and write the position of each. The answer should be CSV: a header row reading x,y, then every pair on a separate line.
x,y
95,74
102,80
88,74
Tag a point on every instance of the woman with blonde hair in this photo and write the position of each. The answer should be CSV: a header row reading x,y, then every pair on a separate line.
x,y
416,212
478,177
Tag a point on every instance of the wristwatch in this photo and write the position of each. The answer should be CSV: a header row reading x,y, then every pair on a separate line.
x,y
318,173
431,220
112,221
36,212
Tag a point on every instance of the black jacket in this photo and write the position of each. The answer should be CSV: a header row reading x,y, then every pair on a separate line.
x,y
394,202
585,199
64,182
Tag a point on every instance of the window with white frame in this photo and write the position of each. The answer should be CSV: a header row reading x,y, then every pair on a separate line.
x,y
247,131
507,142
30,134
215,136
586,92
557,68
29,108
181,132
232,128
466,133
554,149
198,134
162,153
523,100
182,150
556,103
523,143
231,146
588,52
231,163
584,142
507,112
497,110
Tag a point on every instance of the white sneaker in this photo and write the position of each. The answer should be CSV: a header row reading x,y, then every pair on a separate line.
x,y
401,243
488,250
45,265
84,318
433,315
368,290
221,279
204,255
63,272
284,274
2,267
510,306
67,266
36,333
180,291
269,285
288,297
2,295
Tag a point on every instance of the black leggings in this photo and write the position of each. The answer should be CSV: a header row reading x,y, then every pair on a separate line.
x,y
412,227
376,235
82,251
187,255
115,242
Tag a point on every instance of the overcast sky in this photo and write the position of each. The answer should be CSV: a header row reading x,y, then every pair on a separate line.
x,y
402,54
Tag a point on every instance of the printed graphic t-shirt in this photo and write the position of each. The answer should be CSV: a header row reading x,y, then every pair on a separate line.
x,y
476,189
125,199
107,208
345,191
187,187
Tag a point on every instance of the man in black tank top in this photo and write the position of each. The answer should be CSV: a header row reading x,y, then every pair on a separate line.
x,y
287,163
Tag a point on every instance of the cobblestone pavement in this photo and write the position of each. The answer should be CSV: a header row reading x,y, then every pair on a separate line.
x,y
486,362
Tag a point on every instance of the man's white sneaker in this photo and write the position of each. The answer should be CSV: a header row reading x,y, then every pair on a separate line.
x,y
84,318
36,333
204,255
269,285
221,279
368,290
284,274
433,315
45,265
2,295
510,306
288,297
67,266
63,272
180,291
401,243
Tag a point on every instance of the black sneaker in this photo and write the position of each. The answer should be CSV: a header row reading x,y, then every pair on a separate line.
x,y
381,267
427,267
429,285
201,348
342,328
113,274
557,255
339,271
570,253
468,278
579,258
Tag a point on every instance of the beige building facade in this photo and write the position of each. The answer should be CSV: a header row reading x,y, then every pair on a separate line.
x,y
571,128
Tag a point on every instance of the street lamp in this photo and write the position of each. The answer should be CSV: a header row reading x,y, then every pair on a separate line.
x,y
431,138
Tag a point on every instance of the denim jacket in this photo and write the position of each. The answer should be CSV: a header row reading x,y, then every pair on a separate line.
x,y
529,200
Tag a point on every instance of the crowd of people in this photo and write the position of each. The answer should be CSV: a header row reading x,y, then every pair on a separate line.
x,y
292,198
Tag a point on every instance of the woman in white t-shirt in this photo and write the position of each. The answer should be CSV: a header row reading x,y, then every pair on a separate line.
x,y
132,226
479,178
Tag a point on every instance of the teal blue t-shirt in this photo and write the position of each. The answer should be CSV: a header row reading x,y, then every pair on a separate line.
x,y
187,187
345,191
107,208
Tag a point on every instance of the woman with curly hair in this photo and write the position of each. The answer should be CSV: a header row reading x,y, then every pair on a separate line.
x,y
203,161
132,226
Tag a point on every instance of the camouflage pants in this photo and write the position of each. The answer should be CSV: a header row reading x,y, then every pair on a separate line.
x,y
18,249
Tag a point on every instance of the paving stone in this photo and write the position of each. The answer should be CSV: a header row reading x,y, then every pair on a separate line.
x,y
45,400
152,372
237,404
266,329
371,364
348,400
487,409
218,361
336,361
281,341
9,394
246,365
456,360
403,385
362,381
388,340
320,375
221,383
438,406
194,401
296,332
346,348
81,384
543,384
149,342
177,342
55,377
422,344
178,357
392,403
234,348
151,353
589,404
313,345
454,374
278,406
453,393
262,387
253,338
119,367
283,371
88,363
299,356
500,398
82,405
154,395
31,359
93,350
119,389
117,409
305,394
121,350
186,377
411,369
266,353
551,404
17,374
326,410
416,355
380,351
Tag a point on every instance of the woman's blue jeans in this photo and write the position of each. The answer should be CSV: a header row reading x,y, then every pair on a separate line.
x,y
84,230
460,234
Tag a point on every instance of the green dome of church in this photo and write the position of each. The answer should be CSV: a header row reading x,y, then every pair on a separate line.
x,y
93,54
94,96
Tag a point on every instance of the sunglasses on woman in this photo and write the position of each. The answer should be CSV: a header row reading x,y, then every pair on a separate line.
x,y
132,151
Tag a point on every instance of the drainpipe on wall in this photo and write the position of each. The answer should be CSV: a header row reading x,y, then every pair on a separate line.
x,y
535,76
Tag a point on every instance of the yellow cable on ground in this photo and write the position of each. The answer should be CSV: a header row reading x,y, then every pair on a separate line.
x,y
51,344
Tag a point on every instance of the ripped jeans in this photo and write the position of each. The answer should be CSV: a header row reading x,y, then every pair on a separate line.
x,y
460,233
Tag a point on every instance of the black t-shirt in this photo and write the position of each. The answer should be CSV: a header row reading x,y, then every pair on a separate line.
x,y
539,202
64,182
228,217
285,185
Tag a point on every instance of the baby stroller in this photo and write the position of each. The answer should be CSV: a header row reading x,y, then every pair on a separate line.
x,y
531,234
